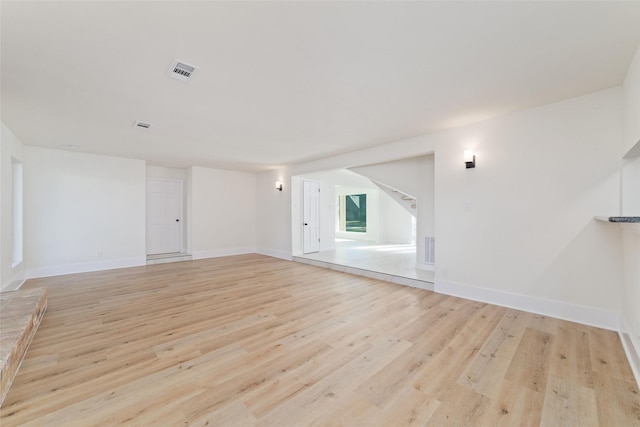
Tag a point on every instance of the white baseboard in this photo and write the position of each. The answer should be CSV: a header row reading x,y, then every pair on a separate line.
x,y
15,280
414,283
166,260
84,267
215,253
631,350
426,267
275,253
605,319
13,285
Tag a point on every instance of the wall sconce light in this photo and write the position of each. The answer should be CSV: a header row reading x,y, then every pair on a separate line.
x,y
469,159
278,186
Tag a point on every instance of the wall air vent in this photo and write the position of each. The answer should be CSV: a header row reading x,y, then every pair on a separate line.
x,y
141,125
181,71
430,250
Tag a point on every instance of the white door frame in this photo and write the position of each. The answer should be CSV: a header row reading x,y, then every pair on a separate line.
x,y
181,213
310,222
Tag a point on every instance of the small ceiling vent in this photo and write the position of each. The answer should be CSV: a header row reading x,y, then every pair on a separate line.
x,y
181,71
141,125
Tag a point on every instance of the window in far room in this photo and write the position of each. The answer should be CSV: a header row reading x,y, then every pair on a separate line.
x,y
352,213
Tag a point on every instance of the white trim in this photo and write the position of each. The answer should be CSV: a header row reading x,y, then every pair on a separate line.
x,y
426,267
14,282
14,285
631,350
600,318
58,270
166,260
275,253
399,280
215,253
316,195
183,244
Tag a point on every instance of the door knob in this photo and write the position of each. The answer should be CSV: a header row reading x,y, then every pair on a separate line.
x,y
306,223
177,220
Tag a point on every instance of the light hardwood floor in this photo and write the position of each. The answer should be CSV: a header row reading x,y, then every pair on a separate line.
x,y
252,340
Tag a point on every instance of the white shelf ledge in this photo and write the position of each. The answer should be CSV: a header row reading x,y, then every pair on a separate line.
x,y
619,219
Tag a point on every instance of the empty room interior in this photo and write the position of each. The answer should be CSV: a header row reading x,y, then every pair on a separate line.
x,y
320,213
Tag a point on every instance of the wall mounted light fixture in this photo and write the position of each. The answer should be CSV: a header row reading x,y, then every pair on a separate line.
x,y
278,186
469,159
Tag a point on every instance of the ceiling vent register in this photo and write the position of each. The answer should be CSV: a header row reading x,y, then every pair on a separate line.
x,y
181,71
141,125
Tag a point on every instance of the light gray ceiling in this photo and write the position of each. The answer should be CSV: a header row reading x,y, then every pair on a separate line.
x,y
285,82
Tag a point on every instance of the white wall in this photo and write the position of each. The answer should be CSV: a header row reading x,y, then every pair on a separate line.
x,y
425,221
631,166
631,100
522,222
399,174
631,206
10,147
396,224
630,295
519,228
328,208
273,214
86,212
83,212
296,217
413,176
223,212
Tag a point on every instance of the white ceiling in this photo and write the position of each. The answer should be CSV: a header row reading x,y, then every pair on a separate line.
x,y
286,82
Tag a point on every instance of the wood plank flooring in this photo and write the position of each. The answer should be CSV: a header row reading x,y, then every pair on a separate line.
x,y
256,341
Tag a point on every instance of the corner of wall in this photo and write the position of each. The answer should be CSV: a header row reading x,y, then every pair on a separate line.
x,y
273,213
11,277
14,283
275,253
631,350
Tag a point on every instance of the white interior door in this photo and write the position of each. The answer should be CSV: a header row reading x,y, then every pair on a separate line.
x,y
164,216
310,216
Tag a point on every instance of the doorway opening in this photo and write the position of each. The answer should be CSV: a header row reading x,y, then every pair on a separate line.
x,y
373,220
167,216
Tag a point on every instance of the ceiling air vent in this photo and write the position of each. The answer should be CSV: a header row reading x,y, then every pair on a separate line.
x,y
141,125
181,71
